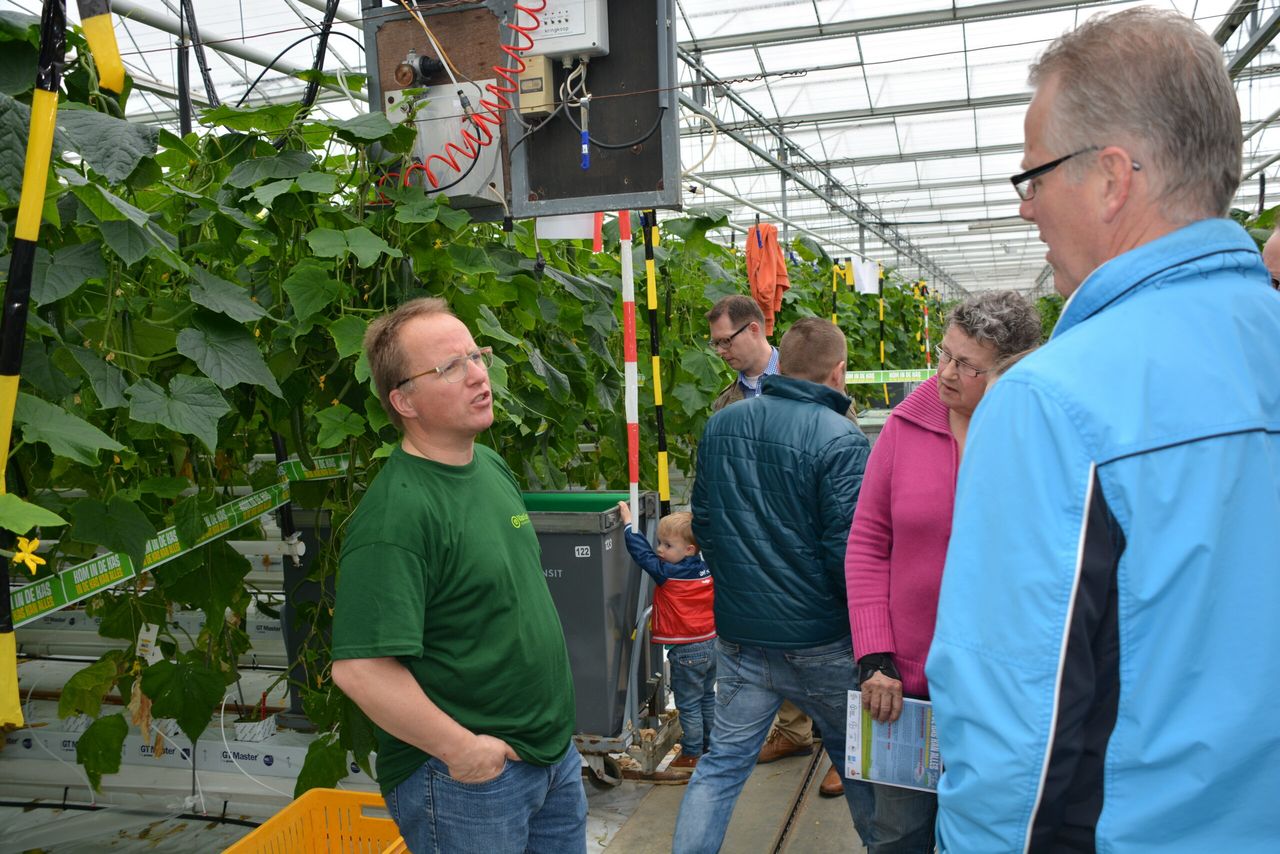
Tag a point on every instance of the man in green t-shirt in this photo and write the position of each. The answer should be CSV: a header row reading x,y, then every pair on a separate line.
x,y
444,631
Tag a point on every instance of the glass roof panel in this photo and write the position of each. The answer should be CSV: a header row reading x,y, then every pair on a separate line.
x,y
708,19
922,133
918,157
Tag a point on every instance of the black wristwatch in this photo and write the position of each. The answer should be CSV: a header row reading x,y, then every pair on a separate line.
x,y
877,662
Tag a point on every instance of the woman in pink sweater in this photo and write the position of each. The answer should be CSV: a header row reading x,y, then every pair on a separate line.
x,y
898,542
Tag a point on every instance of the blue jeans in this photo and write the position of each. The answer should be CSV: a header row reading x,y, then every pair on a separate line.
x,y
693,681
904,820
527,809
751,684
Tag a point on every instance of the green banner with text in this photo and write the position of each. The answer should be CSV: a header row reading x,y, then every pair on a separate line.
x,y
46,595
909,375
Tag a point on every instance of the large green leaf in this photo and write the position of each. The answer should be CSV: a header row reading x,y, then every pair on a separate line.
x,y
106,379
165,487
556,381
107,206
348,334
417,208
318,182
452,219
226,352
17,68
359,241
471,260
491,328
61,274
222,296
325,765
84,691
286,164
191,406
66,435
20,516
366,127
122,614
270,119
210,580
267,193
118,525
189,523
39,371
337,424
112,147
311,289
127,240
186,691
101,746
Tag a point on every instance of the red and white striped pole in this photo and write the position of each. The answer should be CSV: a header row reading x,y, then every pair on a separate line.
x,y
631,371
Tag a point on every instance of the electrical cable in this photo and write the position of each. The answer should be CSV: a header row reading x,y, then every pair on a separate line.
x,y
618,146
222,716
277,57
487,121
326,27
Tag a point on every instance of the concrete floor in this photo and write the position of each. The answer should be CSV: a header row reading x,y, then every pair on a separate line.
x,y
822,825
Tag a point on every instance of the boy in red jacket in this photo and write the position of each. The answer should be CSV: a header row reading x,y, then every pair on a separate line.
x,y
682,618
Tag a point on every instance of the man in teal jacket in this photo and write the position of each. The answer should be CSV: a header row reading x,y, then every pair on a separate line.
x,y
1106,667
777,481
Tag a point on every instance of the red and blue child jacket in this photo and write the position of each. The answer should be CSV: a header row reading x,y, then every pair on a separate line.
x,y
683,604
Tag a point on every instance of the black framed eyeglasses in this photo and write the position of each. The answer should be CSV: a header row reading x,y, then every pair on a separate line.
x,y
454,370
962,367
726,343
1024,183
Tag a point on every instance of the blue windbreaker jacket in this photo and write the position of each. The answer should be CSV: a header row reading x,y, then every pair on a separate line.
x,y
1106,667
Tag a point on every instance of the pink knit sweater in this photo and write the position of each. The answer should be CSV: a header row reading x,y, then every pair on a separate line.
x,y
898,542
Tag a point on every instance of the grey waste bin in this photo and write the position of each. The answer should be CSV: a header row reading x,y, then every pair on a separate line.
x,y
595,587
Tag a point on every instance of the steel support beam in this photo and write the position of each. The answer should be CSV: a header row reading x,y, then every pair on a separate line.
x,y
887,23
1015,99
877,160
1260,38
1233,19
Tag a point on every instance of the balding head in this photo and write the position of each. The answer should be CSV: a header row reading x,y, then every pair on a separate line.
x,y
1271,256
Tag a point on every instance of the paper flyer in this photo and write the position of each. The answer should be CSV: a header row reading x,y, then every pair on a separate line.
x,y
903,753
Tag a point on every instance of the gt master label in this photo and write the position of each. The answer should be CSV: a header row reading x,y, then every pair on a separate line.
x,y
582,551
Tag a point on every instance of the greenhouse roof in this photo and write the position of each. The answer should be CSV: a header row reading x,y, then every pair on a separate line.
x,y
806,112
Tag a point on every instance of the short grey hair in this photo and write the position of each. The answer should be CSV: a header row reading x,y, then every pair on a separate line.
x,y
1154,82
1006,320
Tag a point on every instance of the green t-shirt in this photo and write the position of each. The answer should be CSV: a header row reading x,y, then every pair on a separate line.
x,y
442,570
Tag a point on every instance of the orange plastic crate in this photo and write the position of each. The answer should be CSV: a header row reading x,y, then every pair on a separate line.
x,y
323,821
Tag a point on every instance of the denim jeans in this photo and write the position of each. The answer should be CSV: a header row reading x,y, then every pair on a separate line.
x,y
526,808
693,681
751,684
904,820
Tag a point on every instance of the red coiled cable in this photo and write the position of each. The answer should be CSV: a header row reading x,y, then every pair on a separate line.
x,y
490,113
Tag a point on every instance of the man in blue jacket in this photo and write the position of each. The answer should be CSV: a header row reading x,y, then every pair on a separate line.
x,y
777,481
1106,667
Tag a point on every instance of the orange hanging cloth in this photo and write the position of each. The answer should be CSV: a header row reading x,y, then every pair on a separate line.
x,y
766,271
